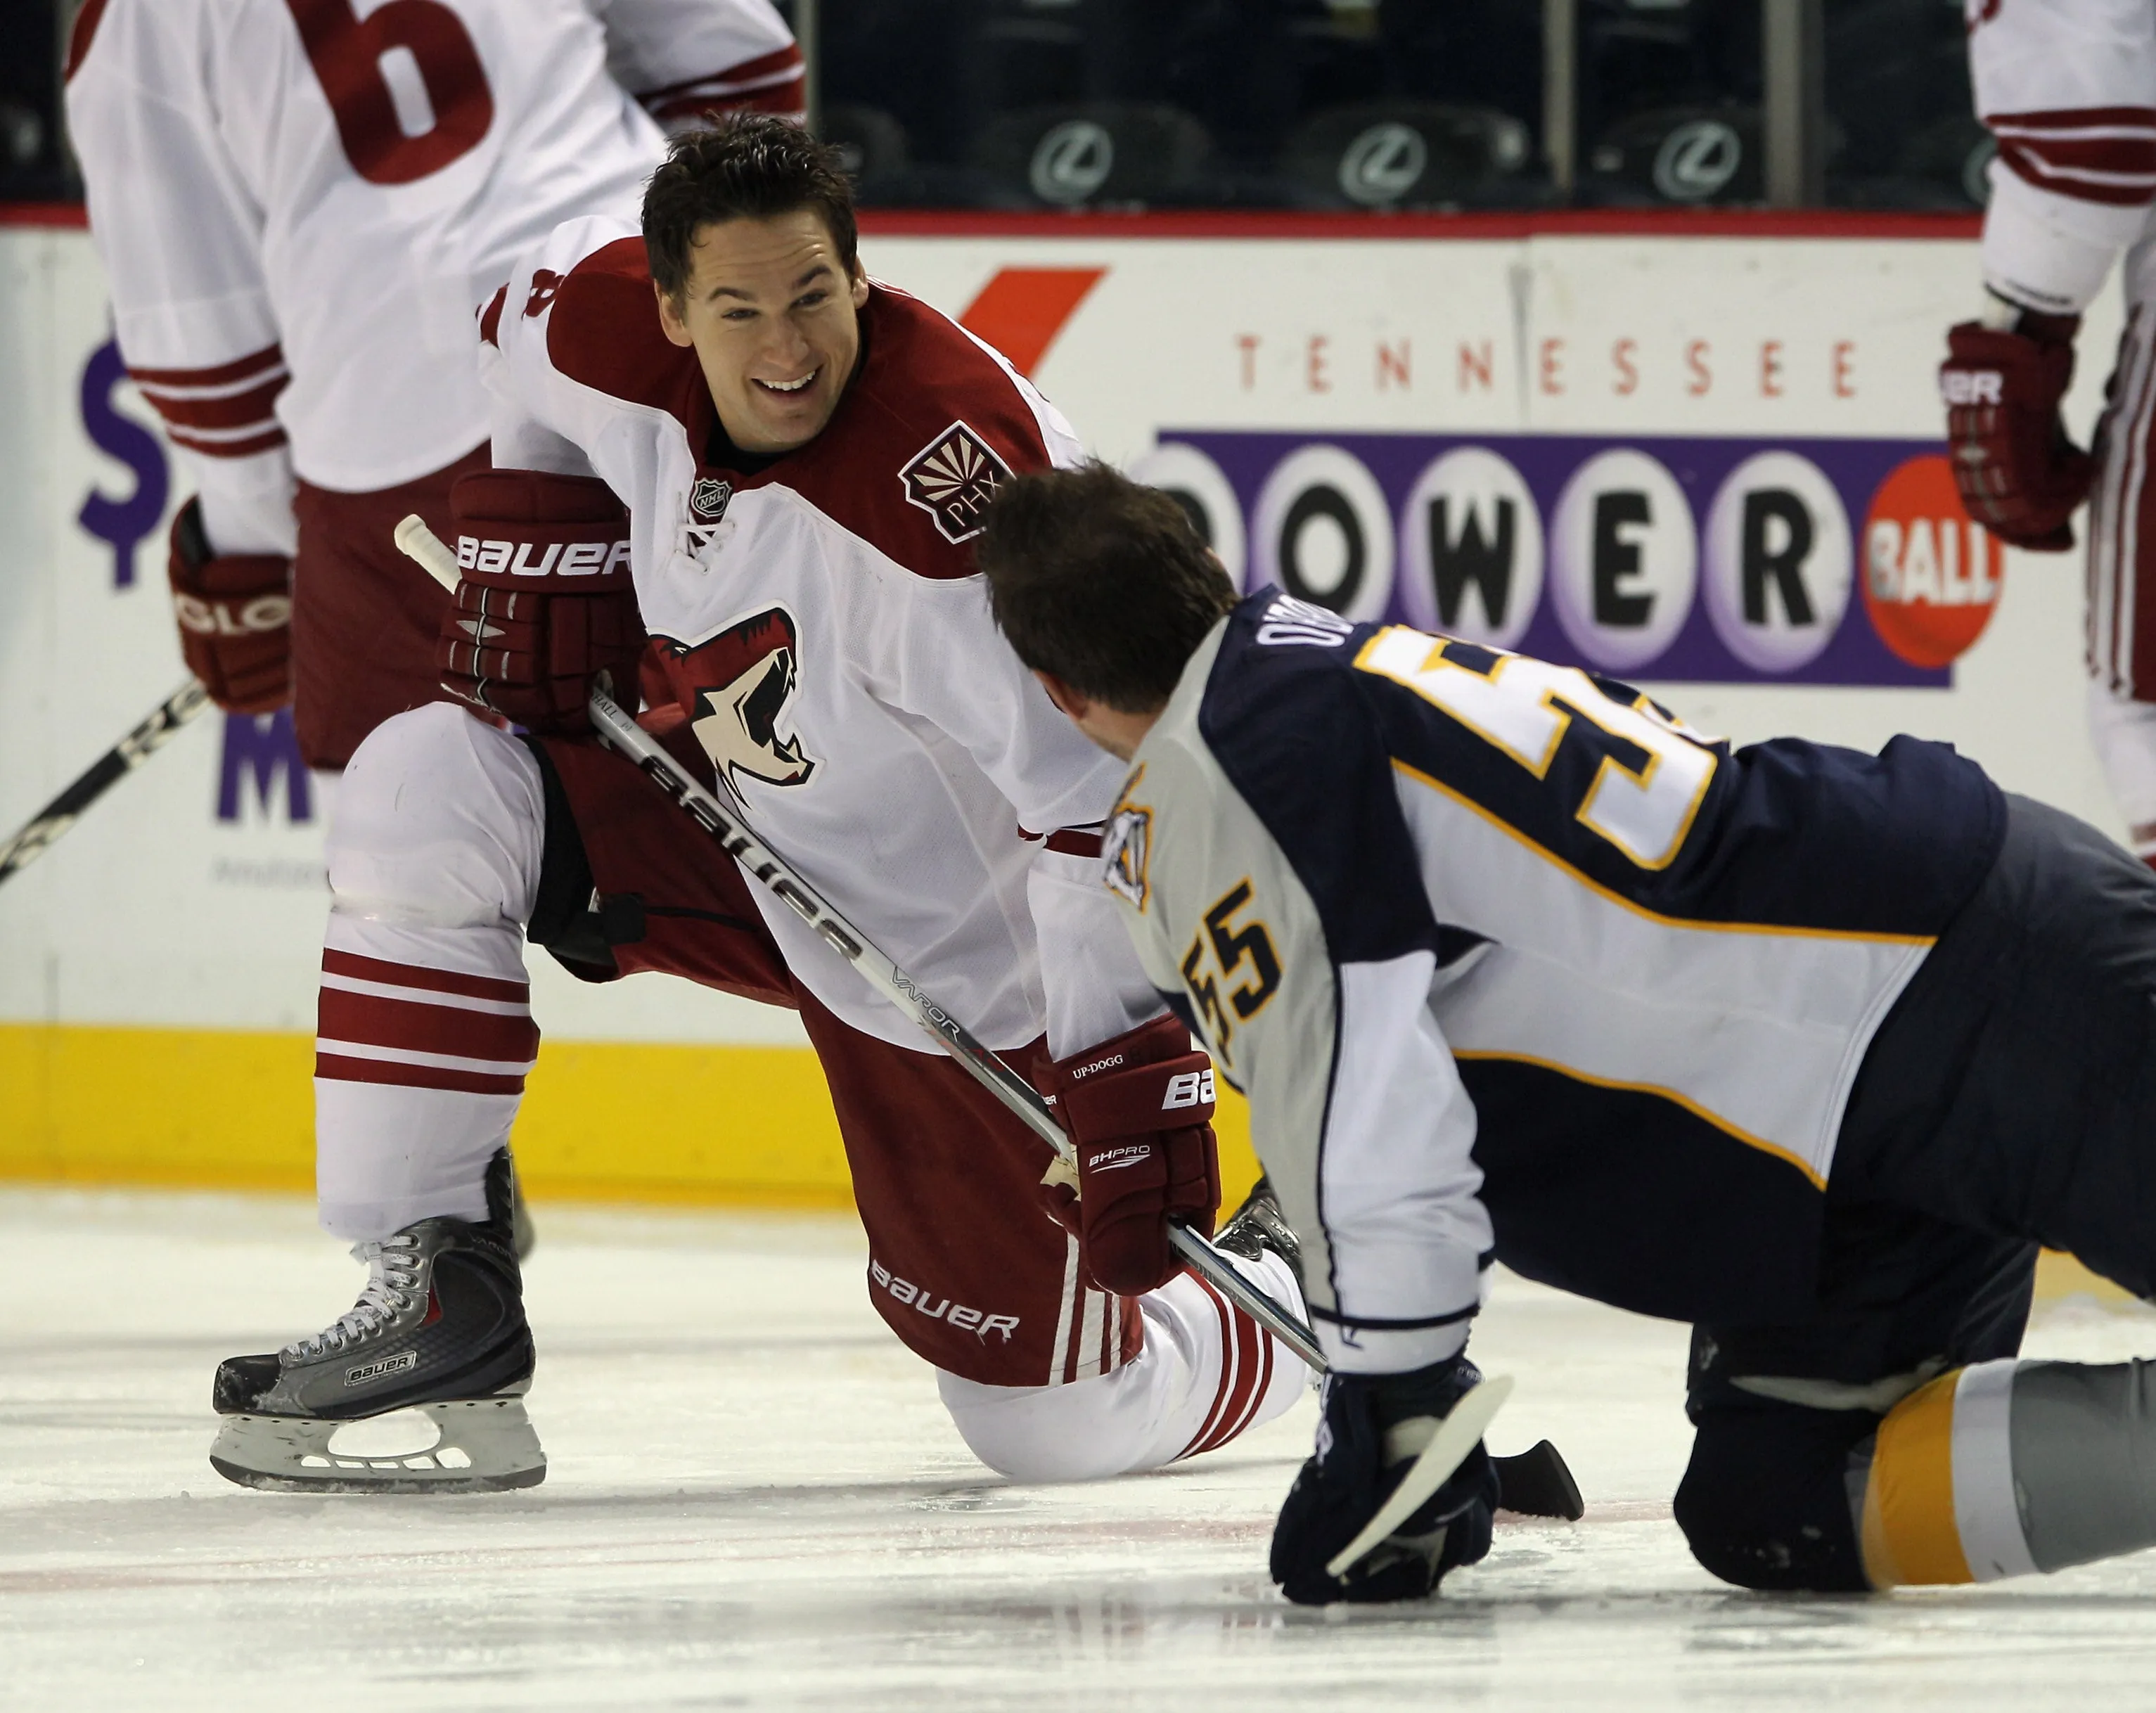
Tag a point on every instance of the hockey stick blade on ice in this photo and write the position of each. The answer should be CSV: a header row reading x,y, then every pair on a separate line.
x,y
44,828
731,829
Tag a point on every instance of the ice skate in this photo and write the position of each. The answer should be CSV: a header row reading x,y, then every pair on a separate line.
x,y
437,1341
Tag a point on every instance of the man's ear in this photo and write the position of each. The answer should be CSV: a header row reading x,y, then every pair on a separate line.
x,y
1072,703
670,317
859,291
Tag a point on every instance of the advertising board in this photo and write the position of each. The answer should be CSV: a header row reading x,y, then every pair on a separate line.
x,y
1707,464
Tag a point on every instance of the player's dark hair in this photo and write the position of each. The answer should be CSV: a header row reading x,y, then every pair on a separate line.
x,y
1101,582
746,166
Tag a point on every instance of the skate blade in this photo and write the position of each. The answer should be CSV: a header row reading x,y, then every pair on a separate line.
x,y
486,1445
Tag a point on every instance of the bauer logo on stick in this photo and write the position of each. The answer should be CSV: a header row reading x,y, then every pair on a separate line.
x,y
953,479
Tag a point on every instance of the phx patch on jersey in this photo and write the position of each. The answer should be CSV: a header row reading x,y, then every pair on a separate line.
x,y
953,479
737,688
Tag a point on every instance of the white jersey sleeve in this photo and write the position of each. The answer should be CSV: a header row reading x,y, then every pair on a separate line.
x,y
2068,89
686,59
180,236
330,196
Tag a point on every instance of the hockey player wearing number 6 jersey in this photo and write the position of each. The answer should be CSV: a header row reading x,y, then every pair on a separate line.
x,y
299,209
722,433
1807,1047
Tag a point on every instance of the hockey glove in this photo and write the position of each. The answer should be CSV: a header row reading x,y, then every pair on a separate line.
x,y
1139,1110
2019,474
235,614
546,604
1373,1429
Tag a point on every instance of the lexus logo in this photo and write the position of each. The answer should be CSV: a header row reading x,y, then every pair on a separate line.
x,y
1697,160
1072,162
1383,163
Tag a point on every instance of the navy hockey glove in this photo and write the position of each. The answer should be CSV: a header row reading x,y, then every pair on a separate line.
x,y
1373,1429
1139,1110
546,604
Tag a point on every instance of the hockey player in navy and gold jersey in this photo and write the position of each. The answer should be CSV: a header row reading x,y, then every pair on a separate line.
x,y
1810,1048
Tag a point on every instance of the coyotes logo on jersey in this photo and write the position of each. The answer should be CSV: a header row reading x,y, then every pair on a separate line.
x,y
953,479
737,687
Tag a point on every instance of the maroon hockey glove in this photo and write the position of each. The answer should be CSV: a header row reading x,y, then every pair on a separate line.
x,y
1139,1110
235,614
2020,476
546,604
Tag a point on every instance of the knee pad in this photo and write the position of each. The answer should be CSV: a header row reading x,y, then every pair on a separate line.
x,y
1765,1501
440,822
1079,1432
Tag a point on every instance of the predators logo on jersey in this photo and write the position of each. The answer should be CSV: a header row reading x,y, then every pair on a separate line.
x,y
737,688
1125,847
953,479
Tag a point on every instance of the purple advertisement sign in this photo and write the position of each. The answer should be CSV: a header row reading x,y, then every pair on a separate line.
x,y
1825,562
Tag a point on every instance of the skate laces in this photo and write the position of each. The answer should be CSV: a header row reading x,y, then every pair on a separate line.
x,y
392,1274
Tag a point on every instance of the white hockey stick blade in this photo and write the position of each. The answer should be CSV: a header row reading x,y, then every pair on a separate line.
x,y
1448,1448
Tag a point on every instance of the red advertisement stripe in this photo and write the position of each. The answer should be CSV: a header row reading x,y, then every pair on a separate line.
x,y
334,1067
1020,310
228,410
416,1027
239,369
412,975
228,448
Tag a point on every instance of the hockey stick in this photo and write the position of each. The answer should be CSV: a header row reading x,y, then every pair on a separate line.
x,y
1456,1437
732,832
43,829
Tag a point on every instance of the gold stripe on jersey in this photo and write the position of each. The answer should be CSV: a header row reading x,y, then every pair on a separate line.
x,y
1816,1179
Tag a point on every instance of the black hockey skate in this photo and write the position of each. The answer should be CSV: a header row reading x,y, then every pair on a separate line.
x,y
439,1331
1257,1227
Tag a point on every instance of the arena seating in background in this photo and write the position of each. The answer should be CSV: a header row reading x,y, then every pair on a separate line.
x,y
1404,154
1094,154
1689,157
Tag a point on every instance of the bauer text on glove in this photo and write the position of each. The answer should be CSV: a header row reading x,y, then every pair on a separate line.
x,y
546,604
1139,1110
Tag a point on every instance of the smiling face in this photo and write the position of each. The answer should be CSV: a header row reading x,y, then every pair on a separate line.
x,y
774,320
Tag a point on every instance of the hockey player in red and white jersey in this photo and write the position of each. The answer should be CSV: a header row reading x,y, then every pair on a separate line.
x,y
2068,89
300,209
722,433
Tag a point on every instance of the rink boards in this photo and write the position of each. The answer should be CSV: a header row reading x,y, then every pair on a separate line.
x,y
1701,455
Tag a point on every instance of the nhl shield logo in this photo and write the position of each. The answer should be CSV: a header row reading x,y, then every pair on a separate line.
x,y
707,499
953,479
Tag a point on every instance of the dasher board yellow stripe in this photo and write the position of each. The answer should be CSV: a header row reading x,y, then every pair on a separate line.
x,y
228,1109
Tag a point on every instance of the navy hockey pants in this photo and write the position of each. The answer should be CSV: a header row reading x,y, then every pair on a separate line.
x,y
2009,1101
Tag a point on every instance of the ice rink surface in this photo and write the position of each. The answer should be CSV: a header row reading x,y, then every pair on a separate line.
x,y
754,1501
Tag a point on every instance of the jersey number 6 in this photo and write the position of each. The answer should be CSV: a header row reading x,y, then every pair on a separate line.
x,y
351,58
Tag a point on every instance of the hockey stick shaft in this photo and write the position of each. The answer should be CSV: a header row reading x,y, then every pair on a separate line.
x,y
765,866
43,829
